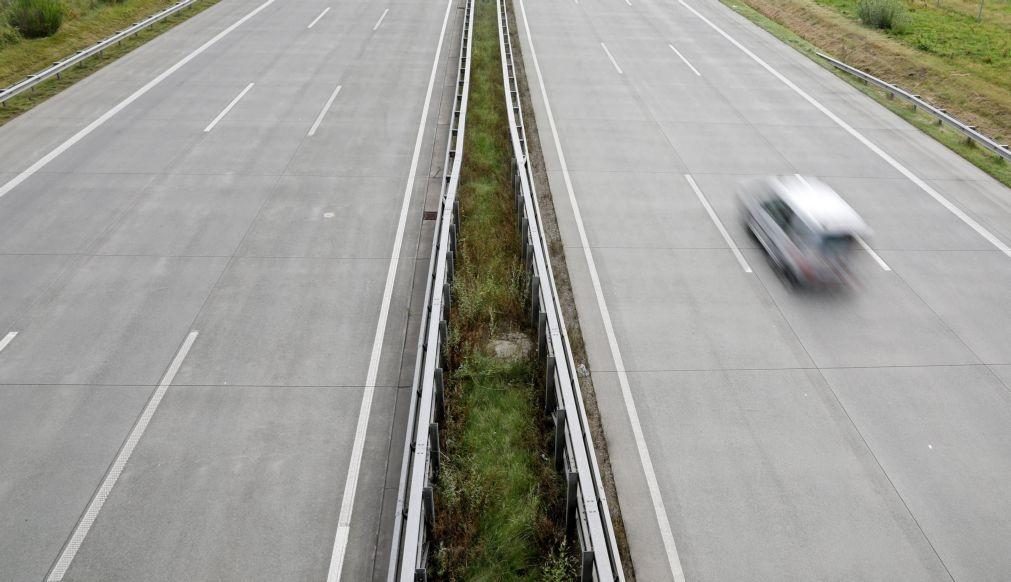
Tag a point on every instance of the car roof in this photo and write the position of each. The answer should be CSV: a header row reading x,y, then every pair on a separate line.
x,y
819,205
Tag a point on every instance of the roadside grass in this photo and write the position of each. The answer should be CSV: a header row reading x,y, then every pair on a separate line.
x,y
81,28
498,500
778,19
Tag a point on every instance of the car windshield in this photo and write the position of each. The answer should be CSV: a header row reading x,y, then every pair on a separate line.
x,y
836,244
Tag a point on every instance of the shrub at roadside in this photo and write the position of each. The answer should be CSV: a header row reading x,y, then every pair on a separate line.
x,y
883,14
36,18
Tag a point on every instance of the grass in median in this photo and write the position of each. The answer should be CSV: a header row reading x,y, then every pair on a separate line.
x,y
498,494
22,57
781,22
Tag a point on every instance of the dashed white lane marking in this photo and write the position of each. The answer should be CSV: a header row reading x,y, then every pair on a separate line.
x,y
718,223
14,182
380,21
7,339
323,112
83,526
225,111
629,2
877,258
610,56
663,522
317,19
678,53
354,467
968,220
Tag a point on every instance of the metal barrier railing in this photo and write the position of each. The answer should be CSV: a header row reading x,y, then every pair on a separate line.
x,y
587,515
943,116
58,67
415,499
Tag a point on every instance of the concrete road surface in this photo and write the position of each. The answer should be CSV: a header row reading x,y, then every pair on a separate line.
x,y
203,338
774,434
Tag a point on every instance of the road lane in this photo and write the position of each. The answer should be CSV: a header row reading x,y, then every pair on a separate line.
x,y
773,461
274,245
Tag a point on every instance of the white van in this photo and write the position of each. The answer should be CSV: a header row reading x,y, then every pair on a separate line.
x,y
805,227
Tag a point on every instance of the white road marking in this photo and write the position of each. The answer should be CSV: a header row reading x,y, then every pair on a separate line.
x,y
659,509
354,467
7,339
317,19
14,182
629,2
84,525
968,220
225,111
678,53
877,258
380,21
718,223
613,62
323,112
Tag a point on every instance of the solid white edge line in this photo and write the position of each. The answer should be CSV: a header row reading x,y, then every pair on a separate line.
x,y
7,339
719,224
323,112
354,467
41,163
877,258
663,522
88,519
613,62
317,19
678,53
228,108
968,220
380,21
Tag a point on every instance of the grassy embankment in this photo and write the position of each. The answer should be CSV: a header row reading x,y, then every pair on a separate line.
x,y
940,52
85,23
498,498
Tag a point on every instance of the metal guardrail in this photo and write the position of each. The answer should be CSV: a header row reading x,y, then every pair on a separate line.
x,y
58,67
416,498
968,131
587,516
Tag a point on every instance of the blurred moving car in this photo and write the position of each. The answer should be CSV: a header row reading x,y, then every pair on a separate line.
x,y
807,230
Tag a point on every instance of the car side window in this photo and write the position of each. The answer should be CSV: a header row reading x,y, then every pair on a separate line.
x,y
779,211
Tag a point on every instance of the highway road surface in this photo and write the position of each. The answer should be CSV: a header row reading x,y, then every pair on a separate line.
x,y
208,251
757,433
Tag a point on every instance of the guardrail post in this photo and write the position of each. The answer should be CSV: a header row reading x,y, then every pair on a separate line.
x,y
428,501
535,298
559,438
550,400
433,440
542,335
443,341
571,482
440,397
586,572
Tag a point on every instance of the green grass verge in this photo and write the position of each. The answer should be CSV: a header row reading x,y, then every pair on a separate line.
x,y
498,496
21,58
979,157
